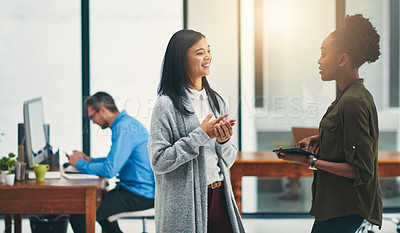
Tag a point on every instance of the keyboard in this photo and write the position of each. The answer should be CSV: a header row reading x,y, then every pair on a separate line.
x,y
77,176
49,175
70,172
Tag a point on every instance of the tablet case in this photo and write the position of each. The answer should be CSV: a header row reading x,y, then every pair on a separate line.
x,y
295,151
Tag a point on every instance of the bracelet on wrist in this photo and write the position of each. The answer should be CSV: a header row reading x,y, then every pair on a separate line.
x,y
312,165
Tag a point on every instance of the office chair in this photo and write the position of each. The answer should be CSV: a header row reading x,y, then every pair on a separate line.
x,y
369,227
143,214
365,226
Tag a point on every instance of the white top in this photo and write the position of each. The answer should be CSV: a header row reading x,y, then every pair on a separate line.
x,y
202,108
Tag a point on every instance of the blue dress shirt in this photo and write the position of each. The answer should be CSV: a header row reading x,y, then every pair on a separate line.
x,y
128,158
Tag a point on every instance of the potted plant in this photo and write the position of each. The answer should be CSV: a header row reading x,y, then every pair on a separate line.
x,y
3,168
6,163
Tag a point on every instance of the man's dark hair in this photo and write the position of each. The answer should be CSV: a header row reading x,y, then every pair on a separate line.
x,y
100,99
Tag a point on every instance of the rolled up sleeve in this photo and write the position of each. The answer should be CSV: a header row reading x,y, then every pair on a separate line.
x,y
358,143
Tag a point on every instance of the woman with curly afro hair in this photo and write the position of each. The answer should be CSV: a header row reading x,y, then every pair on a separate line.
x,y
346,187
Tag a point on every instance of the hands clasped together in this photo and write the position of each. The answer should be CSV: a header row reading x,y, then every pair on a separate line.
x,y
222,130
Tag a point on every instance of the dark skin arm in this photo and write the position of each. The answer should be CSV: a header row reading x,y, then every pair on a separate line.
x,y
340,169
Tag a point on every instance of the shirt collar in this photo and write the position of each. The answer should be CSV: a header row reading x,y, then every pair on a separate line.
x,y
118,119
359,82
197,95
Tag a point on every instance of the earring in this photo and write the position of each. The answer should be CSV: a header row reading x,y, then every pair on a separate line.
x,y
341,65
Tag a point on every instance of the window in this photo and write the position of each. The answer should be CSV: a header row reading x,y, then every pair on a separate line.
x,y
381,76
281,87
41,56
128,42
292,93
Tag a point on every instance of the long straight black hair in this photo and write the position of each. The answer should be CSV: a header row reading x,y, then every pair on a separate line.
x,y
174,77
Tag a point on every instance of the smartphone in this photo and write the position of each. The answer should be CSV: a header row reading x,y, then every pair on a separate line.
x,y
66,154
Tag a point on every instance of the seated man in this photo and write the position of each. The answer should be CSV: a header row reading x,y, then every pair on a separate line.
x,y
128,159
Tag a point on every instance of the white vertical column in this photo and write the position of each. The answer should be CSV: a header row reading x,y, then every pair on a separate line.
x,y
249,132
219,23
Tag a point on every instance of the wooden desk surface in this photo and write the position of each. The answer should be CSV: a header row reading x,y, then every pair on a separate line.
x,y
52,197
53,183
388,162
266,164
270,157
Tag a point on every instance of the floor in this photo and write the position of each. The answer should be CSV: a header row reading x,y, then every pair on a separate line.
x,y
268,200
252,225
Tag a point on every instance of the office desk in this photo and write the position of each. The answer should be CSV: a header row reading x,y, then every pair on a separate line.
x,y
266,164
51,197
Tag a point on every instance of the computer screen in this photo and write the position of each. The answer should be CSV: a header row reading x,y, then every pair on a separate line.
x,y
34,129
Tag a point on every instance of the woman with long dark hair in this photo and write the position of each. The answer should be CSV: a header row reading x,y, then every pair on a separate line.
x,y
190,144
346,186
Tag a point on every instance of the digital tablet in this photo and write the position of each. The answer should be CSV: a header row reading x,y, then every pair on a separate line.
x,y
295,151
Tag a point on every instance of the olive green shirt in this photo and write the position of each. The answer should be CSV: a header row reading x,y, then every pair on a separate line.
x,y
348,133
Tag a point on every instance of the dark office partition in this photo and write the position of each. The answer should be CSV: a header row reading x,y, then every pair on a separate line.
x,y
185,14
258,53
394,54
85,75
239,78
340,15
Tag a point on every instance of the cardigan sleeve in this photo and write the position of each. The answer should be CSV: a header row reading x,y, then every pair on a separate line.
x,y
166,155
226,151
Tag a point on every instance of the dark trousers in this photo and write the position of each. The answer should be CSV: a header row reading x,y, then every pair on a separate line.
x,y
218,217
116,201
345,224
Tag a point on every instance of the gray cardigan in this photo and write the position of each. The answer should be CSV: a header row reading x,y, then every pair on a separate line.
x,y
177,157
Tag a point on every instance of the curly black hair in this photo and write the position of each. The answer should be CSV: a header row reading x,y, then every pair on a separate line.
x,y
359,39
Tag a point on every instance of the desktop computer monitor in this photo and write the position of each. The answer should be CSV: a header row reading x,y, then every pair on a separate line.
x,y
36,142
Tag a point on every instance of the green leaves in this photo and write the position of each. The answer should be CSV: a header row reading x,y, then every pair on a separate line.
x,y
4,163
7,162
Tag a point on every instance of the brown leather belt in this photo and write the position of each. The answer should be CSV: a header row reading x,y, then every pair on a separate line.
x,y
215,185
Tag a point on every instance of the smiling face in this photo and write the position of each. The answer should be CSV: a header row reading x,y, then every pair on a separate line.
x,y
329,61
198,60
